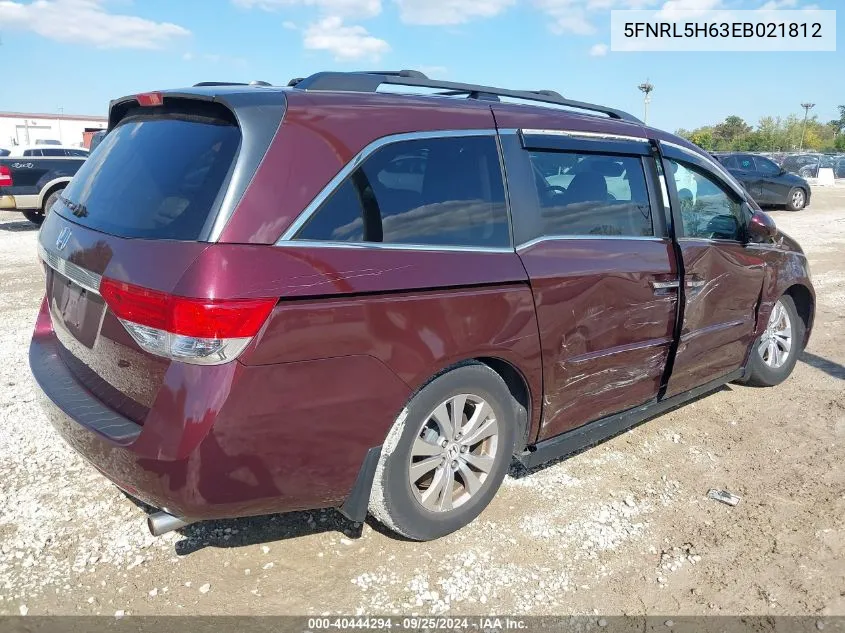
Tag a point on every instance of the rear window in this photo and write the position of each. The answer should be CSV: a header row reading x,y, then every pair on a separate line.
x,y
157,175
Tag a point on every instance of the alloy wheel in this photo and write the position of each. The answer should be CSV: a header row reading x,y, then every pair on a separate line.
x,y
798,199
454,452
776,342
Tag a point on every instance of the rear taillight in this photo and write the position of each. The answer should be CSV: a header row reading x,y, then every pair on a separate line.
x,y
6,179
200,331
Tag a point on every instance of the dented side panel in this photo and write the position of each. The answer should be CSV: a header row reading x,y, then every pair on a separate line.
x,y
786,270
722,287
604,328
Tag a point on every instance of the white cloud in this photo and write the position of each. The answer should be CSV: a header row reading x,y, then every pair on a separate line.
x,y
345,8
671,6
87,22
345,43
291,26
448,12
567,16
599,50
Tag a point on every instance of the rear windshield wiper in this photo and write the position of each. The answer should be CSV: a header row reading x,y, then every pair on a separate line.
x,y
79,210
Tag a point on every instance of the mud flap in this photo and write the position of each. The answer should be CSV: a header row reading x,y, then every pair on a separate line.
x,y
356,504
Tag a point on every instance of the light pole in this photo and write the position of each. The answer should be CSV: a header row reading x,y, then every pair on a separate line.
x,y
807,107
59,121
646,88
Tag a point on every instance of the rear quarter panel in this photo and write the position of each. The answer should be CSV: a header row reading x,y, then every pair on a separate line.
x,y
415,312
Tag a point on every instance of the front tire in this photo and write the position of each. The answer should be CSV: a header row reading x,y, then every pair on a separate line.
x,y
776,351
797,199
447,454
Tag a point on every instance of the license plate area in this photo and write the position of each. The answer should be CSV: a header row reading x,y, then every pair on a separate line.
x,y
78,311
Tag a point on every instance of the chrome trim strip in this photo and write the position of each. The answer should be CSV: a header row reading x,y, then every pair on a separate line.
x,y
393,247
723,171
664,285
576,133
548,238
81,277
696,284
709,240
360,157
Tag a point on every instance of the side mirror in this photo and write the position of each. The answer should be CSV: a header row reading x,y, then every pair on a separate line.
x,y
761,228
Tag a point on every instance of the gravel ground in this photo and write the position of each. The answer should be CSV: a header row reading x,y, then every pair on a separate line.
x,y
623,528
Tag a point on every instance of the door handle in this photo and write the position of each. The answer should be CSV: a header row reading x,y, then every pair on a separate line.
x,y
695,283
665,285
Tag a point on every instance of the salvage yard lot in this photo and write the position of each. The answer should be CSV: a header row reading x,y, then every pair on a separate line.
x,y
625,527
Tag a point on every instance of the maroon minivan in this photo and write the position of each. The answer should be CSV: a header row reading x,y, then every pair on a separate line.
x,y
263,299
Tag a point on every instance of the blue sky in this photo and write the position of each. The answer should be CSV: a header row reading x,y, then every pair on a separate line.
x,y
78,54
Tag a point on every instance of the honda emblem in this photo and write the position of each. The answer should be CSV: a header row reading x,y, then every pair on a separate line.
x,y
63,238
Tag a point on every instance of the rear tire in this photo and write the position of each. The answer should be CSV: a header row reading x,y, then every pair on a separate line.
x,y
51,200
776,351
439,468
36,217
797,199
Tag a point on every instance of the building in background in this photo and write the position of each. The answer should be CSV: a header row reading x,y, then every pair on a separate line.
x,y
20,128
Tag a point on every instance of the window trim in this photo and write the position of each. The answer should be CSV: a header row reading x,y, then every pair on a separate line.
x,y
583,143
340,178
674,151
600,147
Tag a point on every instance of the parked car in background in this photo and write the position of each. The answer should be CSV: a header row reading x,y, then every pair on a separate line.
x,y
33,178
54,151
768,184
806,165
264,299
838,166
97,138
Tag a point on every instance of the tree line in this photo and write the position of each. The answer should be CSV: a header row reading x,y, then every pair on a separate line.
x,y
772,134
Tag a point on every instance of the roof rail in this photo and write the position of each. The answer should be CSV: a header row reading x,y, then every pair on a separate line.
x,y
231,83
370,81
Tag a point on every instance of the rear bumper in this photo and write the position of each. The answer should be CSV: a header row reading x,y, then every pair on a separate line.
x,y
25,202
263,444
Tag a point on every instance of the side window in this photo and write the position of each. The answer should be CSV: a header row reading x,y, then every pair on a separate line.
x,y
76,152
746,163
766,166
730,162
707,210
433,192
592,194
51,151
32,152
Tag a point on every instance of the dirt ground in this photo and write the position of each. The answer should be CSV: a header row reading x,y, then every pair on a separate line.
x,y
624,528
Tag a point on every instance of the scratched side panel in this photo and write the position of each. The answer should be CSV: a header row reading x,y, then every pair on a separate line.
x,y
415,311
605,331
786,267
723,281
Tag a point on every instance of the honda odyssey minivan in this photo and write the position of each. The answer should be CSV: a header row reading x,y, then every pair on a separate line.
x,y
263,299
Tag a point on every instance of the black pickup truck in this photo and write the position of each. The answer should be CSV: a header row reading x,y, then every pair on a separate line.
x,y
31,179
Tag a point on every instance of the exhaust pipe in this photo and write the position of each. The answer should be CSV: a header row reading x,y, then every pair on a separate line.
x,y
164,522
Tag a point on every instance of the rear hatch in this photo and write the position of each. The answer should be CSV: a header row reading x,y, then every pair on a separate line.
x,y
138,213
